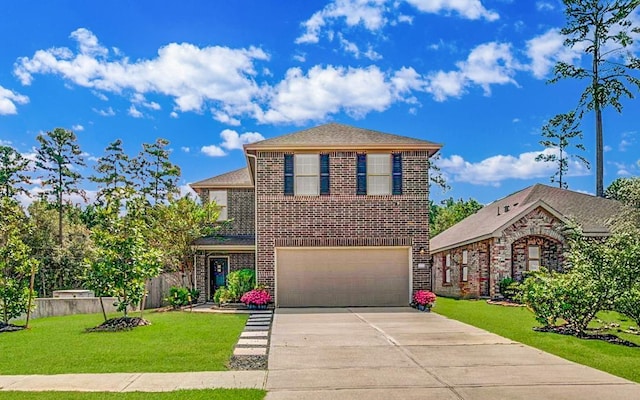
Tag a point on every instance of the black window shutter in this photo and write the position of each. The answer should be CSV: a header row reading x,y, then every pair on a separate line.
x,y
324,174
397,174
288,174
361,183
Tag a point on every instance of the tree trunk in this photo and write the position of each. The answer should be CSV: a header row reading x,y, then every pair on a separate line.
x,y
599,153
104,313
31,284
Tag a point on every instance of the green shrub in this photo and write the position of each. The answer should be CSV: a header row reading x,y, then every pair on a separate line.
x,y
629,304
222,295
239,282
180,296
509,288
540,292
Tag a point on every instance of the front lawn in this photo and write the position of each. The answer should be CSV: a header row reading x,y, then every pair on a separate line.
x,y
516,322
210,394
175,342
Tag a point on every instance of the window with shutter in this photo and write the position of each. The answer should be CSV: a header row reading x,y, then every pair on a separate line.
x,y
307,174
378,174
325,186
361,177
288,174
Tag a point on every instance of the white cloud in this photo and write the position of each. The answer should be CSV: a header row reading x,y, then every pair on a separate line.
x,y
8,101
185,149
99,95
495,169
134,112
77,128
105,113
139,99
546,50
544,6
328,90
468,9
173,114
189,74
373,15
213,151
487,64
607,148
231,140
5,142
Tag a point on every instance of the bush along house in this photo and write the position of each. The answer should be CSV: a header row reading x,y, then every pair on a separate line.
x,y
510,236
328,216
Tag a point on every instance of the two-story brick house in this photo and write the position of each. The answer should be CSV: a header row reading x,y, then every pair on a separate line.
x,y
339,218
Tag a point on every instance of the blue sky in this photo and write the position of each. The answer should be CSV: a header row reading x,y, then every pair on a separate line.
x,y
212,75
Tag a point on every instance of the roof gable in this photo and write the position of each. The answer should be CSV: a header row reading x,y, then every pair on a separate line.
x,y
334,135
590,212
237,178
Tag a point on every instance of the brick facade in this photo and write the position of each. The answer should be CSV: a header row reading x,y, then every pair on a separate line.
x,y
240,209
491,260
342,218
236,261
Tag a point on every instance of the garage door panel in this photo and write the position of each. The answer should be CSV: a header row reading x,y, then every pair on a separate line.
x,y
342,277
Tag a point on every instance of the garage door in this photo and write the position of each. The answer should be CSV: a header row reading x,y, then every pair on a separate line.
x,y
339,277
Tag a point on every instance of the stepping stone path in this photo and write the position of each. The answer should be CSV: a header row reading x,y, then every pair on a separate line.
x,y
254,341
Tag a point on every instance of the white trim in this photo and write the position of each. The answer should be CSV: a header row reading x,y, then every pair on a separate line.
x,y
208,287
226,248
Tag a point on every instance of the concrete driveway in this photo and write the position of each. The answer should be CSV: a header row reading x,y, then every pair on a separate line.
x,y
400,353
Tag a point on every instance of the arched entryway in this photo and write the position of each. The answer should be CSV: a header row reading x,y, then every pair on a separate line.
x,y
529,253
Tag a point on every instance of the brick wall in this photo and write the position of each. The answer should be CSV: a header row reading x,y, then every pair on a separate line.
x,y
506,255
342,218
236,261
240,208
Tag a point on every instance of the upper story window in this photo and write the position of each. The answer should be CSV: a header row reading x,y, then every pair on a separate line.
x,y
220,198
379,174
306,174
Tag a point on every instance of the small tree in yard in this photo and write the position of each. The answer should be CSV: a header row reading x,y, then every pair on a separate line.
x,y
559,132
17,267
124,260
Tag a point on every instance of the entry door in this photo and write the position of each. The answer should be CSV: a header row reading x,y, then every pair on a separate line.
x,y
218,270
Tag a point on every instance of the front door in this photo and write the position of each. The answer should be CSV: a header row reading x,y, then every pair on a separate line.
x,y
218,270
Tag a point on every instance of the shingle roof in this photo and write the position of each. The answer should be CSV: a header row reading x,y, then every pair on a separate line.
x,y
227,240
340,135
590,212
237,178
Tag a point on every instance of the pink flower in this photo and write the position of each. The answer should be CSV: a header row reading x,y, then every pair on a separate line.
x,y
256,296
424,297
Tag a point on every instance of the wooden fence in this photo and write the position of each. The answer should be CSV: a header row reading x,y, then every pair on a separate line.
x,y
158,289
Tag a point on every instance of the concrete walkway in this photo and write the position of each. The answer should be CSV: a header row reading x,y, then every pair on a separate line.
x,y
136,382
405,354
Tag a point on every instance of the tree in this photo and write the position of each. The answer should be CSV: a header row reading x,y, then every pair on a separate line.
x,y
114,171
179,223
559,131
16,264
12,172
124,259
158,177
602,29
451,212
436,177
61,266
625,190
59,156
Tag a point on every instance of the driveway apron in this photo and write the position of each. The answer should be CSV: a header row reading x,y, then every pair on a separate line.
x,y
400,353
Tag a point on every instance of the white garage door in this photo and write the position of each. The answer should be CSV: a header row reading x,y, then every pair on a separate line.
x,y
339,277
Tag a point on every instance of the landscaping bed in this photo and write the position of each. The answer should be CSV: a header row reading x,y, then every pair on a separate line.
x,y
10,327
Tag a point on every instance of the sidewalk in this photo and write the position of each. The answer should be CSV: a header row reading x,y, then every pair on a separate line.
x,y
135,382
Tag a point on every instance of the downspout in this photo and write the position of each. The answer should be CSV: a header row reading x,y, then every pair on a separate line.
x,y
255,213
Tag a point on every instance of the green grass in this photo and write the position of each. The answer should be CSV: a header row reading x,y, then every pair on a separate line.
x,y
210,394
516,323
175,342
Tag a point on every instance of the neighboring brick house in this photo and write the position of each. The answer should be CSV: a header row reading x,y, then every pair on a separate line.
x,y
339,217
518,233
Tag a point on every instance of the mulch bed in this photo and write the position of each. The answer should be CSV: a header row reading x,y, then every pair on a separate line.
x,y
119,324
248,363
607,337
10,327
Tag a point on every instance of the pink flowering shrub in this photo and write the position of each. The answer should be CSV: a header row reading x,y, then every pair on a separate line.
x,y
256,296
424,297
